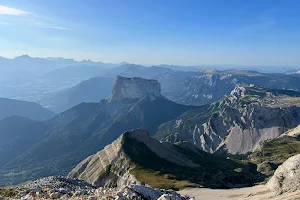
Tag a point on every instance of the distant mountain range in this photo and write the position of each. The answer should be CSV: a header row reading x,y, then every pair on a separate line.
x,y
210,85
40,66
46,80
184,87
91,90
34,111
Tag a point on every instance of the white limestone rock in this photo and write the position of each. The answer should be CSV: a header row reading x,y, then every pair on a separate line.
x,y
169,197
287,176
146,192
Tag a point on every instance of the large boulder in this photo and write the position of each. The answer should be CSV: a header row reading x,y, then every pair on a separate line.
x,y
169,197
146,192
287,176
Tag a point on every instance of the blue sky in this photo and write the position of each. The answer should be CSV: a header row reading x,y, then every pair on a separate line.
x,y
185,32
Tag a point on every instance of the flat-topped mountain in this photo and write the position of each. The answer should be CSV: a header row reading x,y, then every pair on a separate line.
x,y
135,157
238,122
135,88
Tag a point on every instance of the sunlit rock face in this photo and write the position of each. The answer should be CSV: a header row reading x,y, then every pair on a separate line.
x,y
286,177
135,88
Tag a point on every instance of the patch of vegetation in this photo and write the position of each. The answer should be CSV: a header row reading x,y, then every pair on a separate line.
x,y
83,175
213,171
158,180
8,192
105,173
247,99
9,174
290,93
273,153
94,163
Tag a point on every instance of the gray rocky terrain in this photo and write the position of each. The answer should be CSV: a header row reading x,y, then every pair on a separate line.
x,y
237,123
58,187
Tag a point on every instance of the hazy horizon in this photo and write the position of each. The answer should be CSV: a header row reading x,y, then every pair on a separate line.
x,y
160,64
172,32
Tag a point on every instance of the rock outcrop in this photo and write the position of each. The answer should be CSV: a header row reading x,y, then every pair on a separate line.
x,y
58,187
293,132
135,88
287,176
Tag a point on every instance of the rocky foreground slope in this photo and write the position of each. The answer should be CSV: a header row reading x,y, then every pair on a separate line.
x,y
135,157
58,187
237,123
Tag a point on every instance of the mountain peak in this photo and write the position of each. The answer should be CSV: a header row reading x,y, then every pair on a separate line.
x,y
209,71
135,88
126,151
239,91
23,57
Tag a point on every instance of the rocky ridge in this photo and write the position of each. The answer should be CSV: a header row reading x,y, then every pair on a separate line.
x,y
136,158
208,86
110,167
237,123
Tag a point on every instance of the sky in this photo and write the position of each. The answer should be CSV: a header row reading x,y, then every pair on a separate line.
x,y
182,32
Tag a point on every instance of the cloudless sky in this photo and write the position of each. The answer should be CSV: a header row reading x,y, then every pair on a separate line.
x,y
185,32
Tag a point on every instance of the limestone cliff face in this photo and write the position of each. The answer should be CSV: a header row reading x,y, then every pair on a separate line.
x,y
111,166
97,169
135,88
237,123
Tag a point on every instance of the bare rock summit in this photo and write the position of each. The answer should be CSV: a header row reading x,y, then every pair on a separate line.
x,y
135,88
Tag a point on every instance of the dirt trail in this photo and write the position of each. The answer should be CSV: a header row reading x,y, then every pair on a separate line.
x,y
259,192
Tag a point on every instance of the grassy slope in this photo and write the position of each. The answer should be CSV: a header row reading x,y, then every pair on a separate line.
x,y
7,192
214,172
273,153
